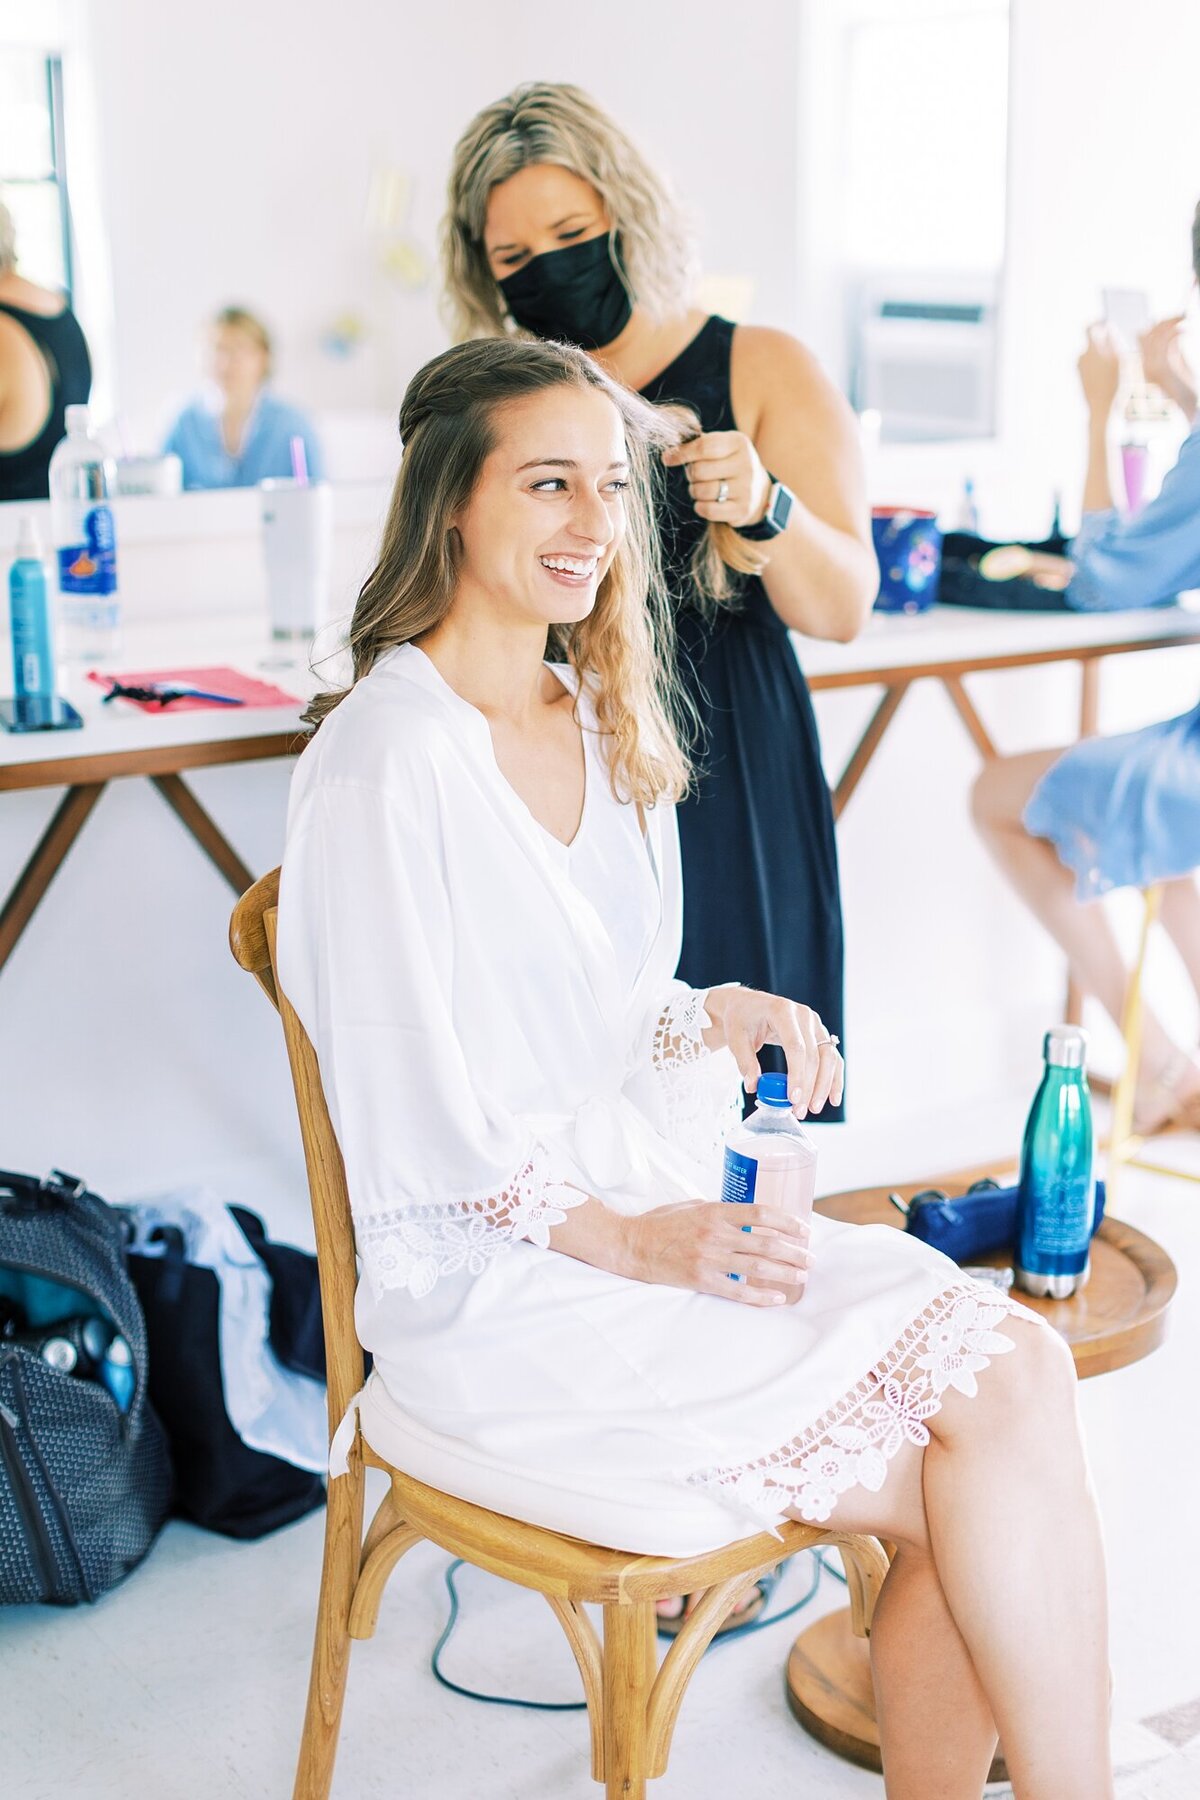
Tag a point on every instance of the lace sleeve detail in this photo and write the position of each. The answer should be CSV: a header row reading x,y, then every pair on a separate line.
x,y
700,1088
414,1245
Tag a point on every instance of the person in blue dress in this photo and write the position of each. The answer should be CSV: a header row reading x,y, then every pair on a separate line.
x,y
239,432
1118,811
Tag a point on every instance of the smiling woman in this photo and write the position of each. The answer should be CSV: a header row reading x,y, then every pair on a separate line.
x,y
480,912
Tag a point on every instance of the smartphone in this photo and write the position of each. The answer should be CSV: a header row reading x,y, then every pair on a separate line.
x,y
1127,310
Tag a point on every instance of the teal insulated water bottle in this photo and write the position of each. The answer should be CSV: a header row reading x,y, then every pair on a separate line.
x,y
1055,1200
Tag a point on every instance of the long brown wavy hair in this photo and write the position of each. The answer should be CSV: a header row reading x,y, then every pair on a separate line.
x,y
449,426
553,122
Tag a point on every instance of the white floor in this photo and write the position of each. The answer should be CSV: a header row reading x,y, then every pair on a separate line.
x,y
189,1683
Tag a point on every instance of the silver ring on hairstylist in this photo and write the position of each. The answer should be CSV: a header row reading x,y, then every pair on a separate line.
x,y
831,1039
722,492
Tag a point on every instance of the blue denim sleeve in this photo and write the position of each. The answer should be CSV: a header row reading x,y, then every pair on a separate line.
x,y
1121,563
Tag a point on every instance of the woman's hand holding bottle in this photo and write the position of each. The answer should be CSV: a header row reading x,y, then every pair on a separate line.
x,y
699,1244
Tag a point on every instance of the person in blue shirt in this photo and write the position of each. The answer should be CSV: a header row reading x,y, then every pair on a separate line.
x,y
1118,811
240,432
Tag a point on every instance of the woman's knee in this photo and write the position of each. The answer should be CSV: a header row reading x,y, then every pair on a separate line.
x,y
1002,788
1032,1386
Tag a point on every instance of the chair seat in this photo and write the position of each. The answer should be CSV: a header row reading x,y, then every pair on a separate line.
x,y
570,1568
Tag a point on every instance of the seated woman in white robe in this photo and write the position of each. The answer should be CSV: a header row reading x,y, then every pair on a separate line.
x,y
479,924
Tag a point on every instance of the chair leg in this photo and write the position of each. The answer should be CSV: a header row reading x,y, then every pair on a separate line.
x,y
630,1665
331,1645
1123,1144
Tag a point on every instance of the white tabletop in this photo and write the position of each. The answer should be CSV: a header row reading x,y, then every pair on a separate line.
x,y
966,634
944,634
119,727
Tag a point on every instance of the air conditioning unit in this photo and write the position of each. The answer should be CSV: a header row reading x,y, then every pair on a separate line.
x,y
924,355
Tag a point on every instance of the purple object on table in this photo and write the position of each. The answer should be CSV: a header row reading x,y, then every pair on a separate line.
x,y
908,545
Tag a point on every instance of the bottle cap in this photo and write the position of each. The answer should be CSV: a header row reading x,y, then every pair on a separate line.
x,y
772,1090
29,545
78,422
1065,1047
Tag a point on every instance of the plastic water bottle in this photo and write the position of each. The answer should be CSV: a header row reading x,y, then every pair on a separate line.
x,y
82,481
1055,1199
116,1372
770,1159
31,622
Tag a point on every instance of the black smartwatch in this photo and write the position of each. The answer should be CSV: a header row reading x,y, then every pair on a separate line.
x,y
780,502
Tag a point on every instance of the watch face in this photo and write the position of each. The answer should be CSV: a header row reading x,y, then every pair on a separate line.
x,y
779,511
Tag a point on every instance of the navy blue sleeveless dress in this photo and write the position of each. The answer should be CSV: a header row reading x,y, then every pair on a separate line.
x,y
761,903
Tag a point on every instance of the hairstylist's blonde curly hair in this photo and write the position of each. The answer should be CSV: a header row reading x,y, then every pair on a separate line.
x,y
451,419
553,122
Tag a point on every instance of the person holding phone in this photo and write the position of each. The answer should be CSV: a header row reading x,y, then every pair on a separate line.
x,y
1118,811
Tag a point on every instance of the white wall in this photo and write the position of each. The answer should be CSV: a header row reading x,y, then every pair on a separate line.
x,y
237,145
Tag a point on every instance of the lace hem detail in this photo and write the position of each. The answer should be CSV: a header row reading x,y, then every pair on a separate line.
x,y
701,1089
852,1443
412,1247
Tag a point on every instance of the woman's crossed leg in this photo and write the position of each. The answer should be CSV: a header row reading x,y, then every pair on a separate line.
x,y
994,1614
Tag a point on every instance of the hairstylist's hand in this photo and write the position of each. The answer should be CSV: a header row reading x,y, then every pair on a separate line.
x,y
746,1019
723,457
698,1244
1100,371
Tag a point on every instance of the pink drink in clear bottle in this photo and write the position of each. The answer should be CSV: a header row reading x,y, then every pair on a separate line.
x,y
769,1158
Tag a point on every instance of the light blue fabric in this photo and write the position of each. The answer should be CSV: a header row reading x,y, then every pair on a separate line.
x,y
266,451
1124,811
1148,559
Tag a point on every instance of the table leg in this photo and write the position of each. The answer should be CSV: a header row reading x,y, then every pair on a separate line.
x,y
830,1691
30,886
964,706
867,745
180,798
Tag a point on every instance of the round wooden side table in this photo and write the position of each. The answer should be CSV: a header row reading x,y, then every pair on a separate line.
x,y
1119,1317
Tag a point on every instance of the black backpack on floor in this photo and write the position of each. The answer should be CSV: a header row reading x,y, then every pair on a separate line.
x,y
85,1483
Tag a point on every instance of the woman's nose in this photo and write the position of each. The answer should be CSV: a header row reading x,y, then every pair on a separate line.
x,y
591,519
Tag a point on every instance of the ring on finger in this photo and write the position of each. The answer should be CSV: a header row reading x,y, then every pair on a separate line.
x,y
722,492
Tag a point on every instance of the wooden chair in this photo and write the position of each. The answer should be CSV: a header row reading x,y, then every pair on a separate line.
x,y
632,1703
1125,1145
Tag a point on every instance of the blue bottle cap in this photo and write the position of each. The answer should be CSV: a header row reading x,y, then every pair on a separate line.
x,y
773,1090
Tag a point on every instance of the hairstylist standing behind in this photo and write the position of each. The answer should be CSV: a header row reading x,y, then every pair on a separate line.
x,y
557,226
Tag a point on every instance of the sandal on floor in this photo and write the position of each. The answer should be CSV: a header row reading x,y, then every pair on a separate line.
x,y
744,1615
1172,1111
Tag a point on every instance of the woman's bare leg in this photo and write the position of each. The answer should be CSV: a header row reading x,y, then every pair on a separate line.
x,y
1004,1617
1180,917
1083,931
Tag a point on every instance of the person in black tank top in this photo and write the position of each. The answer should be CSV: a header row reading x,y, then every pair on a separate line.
x,y
58,340
597,255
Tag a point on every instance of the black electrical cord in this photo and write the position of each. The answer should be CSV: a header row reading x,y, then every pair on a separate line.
x,y
818,1565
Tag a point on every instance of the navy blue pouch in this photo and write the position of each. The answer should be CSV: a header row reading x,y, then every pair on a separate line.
x,y
981,1220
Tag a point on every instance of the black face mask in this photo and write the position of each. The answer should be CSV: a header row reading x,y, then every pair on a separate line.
x,y
577,295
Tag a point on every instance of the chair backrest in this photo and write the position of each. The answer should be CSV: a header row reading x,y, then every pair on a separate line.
x,y
252,940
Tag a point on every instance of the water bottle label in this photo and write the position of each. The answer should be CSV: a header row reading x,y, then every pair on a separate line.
x,y
91,567
1057,1225
738,1181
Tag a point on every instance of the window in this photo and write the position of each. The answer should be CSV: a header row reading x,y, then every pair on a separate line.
x,y
33,181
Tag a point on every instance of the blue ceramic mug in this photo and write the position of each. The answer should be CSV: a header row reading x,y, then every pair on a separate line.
x,y
908,545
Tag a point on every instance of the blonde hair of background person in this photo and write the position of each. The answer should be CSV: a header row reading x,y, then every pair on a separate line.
x,y
447,428
820,574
